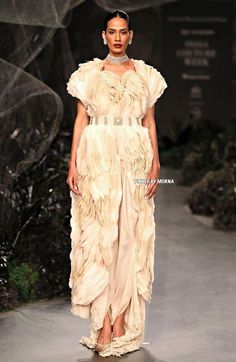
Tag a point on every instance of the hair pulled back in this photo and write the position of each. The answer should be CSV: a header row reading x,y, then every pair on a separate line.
x,y
117,13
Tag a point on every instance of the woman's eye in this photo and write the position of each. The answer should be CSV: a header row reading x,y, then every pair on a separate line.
x,y
123,32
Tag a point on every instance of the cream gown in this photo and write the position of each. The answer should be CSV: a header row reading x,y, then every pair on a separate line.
x,y
112,223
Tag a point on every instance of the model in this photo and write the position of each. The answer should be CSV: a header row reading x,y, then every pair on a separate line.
x,y
113,171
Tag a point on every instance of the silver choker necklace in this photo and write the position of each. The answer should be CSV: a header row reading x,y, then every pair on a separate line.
x,y
113,59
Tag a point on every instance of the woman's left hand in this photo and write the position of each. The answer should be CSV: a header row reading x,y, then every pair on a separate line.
x,y
152,183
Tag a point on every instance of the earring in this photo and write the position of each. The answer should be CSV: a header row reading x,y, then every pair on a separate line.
x,y
104,42
130,41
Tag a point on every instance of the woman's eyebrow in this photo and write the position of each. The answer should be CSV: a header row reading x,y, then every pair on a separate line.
x,y
118,29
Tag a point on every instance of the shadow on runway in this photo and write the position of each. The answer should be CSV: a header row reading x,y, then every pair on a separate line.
x,y
141,355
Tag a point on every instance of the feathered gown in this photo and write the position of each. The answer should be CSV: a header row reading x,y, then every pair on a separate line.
x,y
112,223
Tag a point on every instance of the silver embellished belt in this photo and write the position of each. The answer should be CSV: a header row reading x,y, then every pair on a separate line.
x,y
113,120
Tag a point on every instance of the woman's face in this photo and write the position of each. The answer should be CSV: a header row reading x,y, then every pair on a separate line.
x,y
117,33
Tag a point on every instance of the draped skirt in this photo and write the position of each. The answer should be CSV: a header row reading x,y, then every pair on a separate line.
x,y
112,233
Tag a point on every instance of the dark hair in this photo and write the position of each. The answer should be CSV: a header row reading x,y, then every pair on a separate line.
x,y
113,14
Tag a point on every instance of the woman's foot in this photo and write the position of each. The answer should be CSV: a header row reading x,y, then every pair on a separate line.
x,y
118,331
104,337
118,327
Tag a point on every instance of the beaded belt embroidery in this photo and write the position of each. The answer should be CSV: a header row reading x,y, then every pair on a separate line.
x,y
113,120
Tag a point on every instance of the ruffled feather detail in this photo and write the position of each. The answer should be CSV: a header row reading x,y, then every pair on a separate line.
x,y
127,92
78,81
99,90
156,84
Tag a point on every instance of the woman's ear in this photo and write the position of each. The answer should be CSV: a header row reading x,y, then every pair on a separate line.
x,y
131,34
103,35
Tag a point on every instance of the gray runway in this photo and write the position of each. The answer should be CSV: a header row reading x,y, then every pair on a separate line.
x,y
192,315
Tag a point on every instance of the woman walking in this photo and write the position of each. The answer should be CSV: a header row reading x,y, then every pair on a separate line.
x,y
113,171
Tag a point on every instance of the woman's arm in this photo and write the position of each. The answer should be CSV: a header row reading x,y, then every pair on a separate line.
x,y
81,121
149,123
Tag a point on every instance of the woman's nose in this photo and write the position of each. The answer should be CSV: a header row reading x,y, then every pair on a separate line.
x,y
117,37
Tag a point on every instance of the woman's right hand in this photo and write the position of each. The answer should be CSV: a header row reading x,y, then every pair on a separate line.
x,y
72,179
